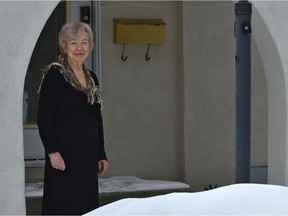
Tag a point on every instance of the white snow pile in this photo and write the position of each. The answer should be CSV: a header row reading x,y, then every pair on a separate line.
x,y
237,199
34,189
131,183
116,184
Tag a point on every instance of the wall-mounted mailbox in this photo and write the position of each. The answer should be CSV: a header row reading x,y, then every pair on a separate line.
x,y
138,31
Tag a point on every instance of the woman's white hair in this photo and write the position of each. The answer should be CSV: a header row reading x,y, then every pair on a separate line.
x,y
73,30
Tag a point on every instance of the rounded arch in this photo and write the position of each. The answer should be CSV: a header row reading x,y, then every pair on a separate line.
x,y
27,20
274,67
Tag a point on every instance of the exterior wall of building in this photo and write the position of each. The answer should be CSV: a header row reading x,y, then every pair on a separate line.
x,y
186,90
259,111
143,105
209,93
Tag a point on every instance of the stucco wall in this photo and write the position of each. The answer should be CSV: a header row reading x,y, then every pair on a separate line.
x,y
176,113
271,40
209,93
259,110
21,24
143,105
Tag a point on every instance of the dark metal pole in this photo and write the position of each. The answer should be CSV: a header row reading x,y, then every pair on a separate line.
x,y
243,11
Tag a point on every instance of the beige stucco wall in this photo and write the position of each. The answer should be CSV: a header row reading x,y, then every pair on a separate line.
x,y
259,110
209,93
143,99
176,113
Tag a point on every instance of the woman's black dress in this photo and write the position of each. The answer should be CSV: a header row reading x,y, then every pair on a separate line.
x,y
69,125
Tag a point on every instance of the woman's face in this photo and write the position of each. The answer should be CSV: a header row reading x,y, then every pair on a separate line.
x,y
77,49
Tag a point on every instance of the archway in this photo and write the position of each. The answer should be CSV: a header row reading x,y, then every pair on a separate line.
x,y
277,103
45,51
21,32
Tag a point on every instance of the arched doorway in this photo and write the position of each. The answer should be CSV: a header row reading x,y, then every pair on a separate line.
x,y
45,52
268,45
18,40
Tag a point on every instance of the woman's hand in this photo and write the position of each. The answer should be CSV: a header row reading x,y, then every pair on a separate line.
x,y
102,166
57,161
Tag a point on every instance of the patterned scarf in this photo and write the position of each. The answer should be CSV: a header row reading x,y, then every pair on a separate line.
x,y
91,91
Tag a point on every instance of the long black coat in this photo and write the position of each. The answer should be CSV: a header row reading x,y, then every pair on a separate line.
x,y
69,125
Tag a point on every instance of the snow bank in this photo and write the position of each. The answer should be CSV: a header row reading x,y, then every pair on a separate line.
x,y
238,199
116,184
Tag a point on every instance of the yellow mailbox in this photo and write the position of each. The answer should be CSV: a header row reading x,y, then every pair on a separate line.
x,y
138,31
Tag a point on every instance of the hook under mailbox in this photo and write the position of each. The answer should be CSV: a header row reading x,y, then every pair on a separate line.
x,y
122,56
147,57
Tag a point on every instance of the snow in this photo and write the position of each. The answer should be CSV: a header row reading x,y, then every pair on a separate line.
x,y
131,183
236,199
34,189
116,184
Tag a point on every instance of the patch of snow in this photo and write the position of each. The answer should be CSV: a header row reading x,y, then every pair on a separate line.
x,y
116,184
237,199
34,189
131,183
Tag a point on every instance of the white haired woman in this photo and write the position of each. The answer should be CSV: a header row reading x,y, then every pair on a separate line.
x,y
70,127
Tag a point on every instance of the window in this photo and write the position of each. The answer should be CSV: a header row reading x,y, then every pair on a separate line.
x,y
46,51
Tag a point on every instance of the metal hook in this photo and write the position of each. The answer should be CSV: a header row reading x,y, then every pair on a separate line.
x,y
123,50
147,57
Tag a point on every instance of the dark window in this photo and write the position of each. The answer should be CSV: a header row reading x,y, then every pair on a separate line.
x,y
46,51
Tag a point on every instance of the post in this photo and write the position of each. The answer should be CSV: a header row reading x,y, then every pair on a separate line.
x,y
96,26
243,11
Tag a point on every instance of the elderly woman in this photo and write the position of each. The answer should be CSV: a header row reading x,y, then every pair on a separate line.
x,y
70,126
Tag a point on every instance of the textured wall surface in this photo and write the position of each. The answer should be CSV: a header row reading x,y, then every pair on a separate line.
x,y
269,18
21,24
209,92
143,105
